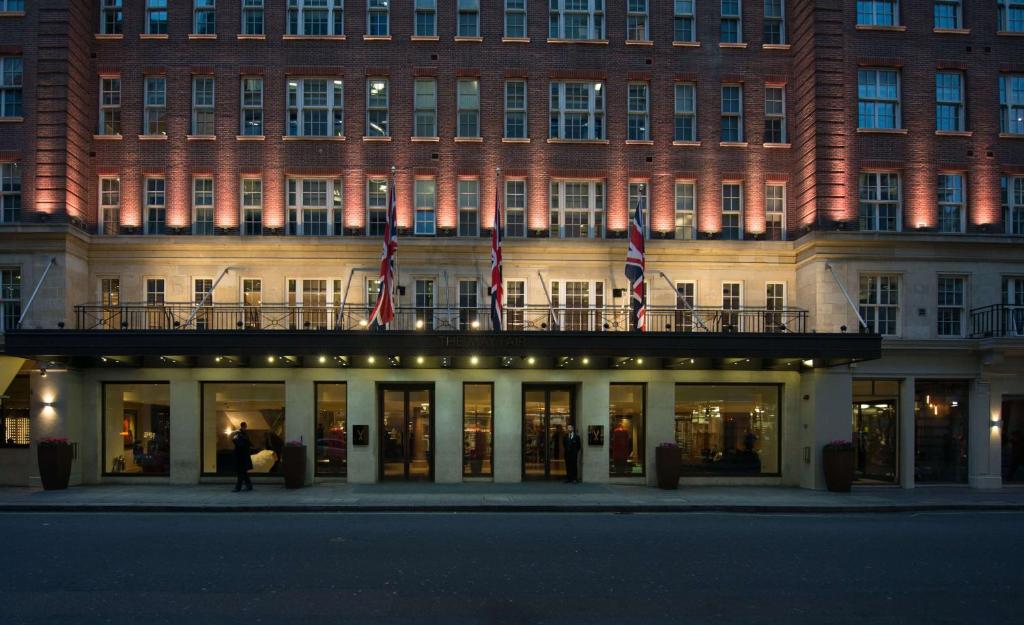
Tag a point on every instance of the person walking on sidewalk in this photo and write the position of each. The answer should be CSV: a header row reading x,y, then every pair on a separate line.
x,y
573,447
243,459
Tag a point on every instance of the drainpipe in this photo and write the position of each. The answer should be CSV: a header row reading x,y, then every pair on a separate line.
x,y
53,261
206,297
856,311
551,307
693,312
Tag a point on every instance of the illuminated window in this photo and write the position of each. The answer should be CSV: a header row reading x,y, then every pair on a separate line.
x,y
425,205
732,23
469,207
314,206
468,24
732,113
137,428
468,303
10,297
732,211
775,211
686,221
111,17
639,191
378,18
626,431
202,206
316,107
951,303
110,205
515,305
515,19
156,17
880,303
686,301
425,97
204,20
252,17
155,205
331,428
774,22
732,302
426,18
577,209
252,206
636,20
683,23
774,114
515,208
376,206
252,106
477,429
774,303
155,107
949,101
577,111
880,201
515,109
576,19
638,110
202,106
314,18
685,112
951,202
10,192
1011,104
878,98
110,106
377,108
878,12
223,409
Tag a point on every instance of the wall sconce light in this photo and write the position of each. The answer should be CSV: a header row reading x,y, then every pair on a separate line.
x,y
48,404
42,372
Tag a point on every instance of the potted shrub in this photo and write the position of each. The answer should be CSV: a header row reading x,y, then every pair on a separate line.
x,y
293,464
838,461
667,464
54,463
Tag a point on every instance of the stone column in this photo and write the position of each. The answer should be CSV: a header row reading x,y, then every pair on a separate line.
x,y
446,442
299,420
362,410
593,410
661,423
826,396
508,429
185,427
983,440
908,433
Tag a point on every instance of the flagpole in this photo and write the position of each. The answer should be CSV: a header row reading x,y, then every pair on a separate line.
x,y
394,198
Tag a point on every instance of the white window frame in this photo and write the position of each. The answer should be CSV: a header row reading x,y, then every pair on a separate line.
x,y
516,213
1011,190
468,108
155,296
871,13
156,6
771,114
942,101
11,93
109,214
469,312
869,310
424,205
12,6
636,189
735,210
469,9
251,103
111,17
595,18
736,115
295,205
425,104
10,192
683,15
730,305
1009,122
586,318
376,9
424,8
958,14
1006,7
200,107
515,110
469,205
516,8
596,128
515,312
10,296
158,226
872,220
949,313
594,212
875,118
685,292
681,212
250,203
683,112
947,198
771,19
333,107
637,20
731,17
202,7
638,111
780,213
110,105
155,108
377,104
254,8
298,10
376,203
199,198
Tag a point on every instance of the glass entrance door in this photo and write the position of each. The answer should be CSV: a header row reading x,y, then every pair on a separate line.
x,y
406,427
876,430
547,413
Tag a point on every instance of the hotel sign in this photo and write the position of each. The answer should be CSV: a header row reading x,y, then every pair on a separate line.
x,y
482,341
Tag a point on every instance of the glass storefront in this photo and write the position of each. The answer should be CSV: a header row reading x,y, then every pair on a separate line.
x,y
876,429
626,412
728,429
1013,439
226,405
332,429
940,417
14,405
137,428
406,431
547,413
478,429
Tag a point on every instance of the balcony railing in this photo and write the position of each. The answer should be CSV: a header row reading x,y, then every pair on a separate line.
x,y
997,320
224,317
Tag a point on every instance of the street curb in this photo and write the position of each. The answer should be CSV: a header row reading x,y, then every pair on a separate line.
x,y
510,508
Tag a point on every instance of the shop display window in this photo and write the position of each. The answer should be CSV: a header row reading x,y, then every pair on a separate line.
x,y
226,405
626,412
137,428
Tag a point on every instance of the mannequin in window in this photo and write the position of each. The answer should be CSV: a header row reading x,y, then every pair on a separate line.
x,y
622,447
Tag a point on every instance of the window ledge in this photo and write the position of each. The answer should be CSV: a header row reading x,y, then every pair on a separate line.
x,y
737,46
424,38
11,120
104,37
201,37
890,29
425,139
1010,135
591,42
881,131
107,137
251,37
311,138
515,139
313,37
732,144
153,137
469,139
686,44
951,31
580,141
462,39
778,146
686,144
201,137
954,133
12,14
1010,33
250,138
374,139
515,40
776,46
376,37
639,42
151,37
639,142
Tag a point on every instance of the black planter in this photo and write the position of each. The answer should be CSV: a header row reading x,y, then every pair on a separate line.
x,y
293,466
54,466
839,467
667,464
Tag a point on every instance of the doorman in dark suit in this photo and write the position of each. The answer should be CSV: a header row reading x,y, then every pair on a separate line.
x,y
243,458
573,447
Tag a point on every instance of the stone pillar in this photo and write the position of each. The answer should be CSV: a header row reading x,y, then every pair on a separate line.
x,y
362,410
826,396
446,442
56,411
908,433
661,423
185,428
594,410
508,429
983,470
299,420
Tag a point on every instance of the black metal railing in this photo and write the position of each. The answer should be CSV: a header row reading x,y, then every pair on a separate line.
x,y
997,320
186,316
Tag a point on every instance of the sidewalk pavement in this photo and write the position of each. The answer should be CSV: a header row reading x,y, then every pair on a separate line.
x,y
490,497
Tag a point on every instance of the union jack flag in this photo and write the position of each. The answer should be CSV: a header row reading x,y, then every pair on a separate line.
x,y
384,310
635,265
497,289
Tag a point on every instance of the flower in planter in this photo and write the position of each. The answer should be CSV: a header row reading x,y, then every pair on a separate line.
x,y
53,442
